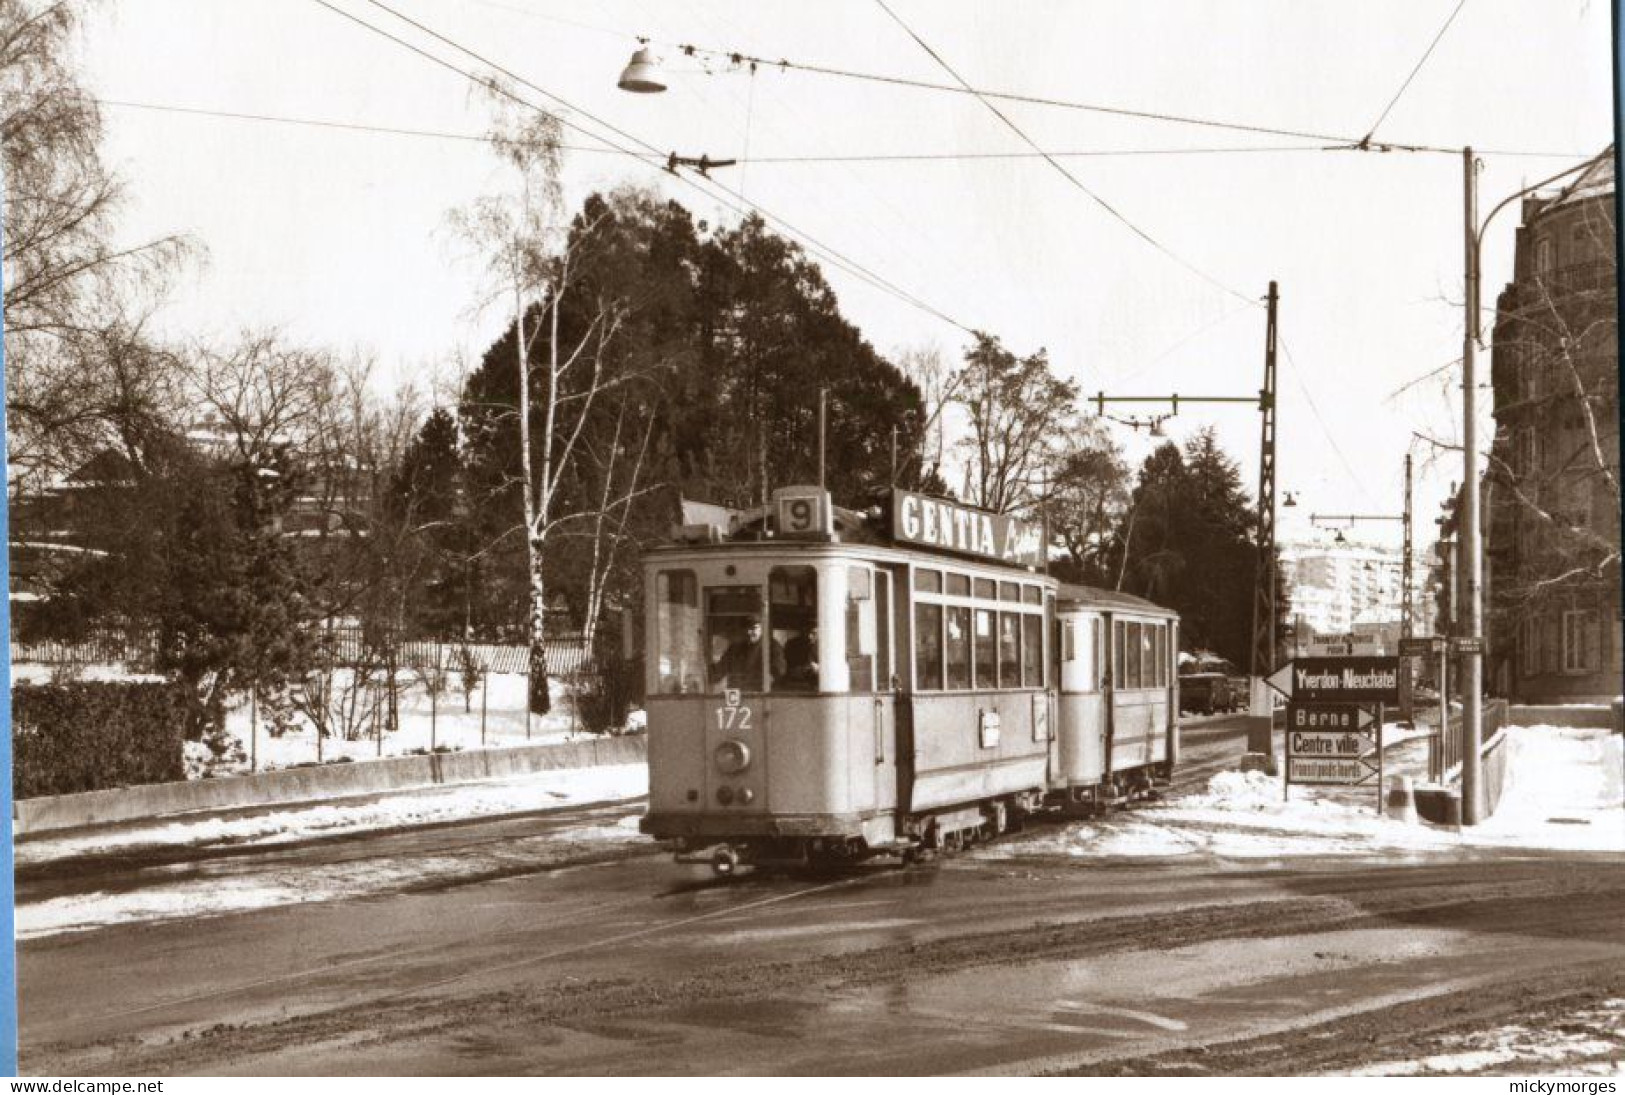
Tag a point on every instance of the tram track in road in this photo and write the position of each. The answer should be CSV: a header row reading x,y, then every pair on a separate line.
x,y
388,976
123,870
969,918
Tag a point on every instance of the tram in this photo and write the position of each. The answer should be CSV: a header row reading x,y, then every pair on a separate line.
x,y
825,686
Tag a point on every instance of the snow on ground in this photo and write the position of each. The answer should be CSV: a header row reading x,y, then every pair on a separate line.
x,y
217,888
423,725
1564,791
1587,1043
34,673
455,802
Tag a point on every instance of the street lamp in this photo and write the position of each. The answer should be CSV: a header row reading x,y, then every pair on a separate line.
x,y
1472,550
642,73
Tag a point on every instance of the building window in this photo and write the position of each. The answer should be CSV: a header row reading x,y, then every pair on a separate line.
x,y
1529,648
1543,254
1528,454
1580,642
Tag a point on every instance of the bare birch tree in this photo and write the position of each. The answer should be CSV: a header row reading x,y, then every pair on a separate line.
x,y
1020,415
72,317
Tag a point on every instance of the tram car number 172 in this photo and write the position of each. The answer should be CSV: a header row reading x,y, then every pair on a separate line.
x,y
825,686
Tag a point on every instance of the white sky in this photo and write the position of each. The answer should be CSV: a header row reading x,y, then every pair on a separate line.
x,y
340,237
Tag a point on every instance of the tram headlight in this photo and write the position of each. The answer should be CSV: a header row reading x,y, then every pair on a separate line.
x,y
732,757
746,796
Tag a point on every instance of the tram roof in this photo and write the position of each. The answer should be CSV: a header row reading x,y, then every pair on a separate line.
x,y
1070,595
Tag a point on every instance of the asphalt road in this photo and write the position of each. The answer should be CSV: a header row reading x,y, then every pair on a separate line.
x,y
533,959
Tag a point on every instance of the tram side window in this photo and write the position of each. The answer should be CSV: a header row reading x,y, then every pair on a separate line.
x,y
883,611
1097,654
928,646
860,628
679,637
958,647
1032,651
1118,661
1069,640
793,596
1131,671
1148,656
987,672
740,654
1009,650
1157,636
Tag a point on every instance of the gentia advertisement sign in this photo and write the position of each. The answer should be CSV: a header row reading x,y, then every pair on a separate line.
x,y
949,526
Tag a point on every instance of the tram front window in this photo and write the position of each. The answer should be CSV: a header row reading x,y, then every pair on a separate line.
x,y
793,597
740,653
679,640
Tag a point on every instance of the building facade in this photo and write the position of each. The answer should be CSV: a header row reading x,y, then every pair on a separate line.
x,y
1341,590
1551,489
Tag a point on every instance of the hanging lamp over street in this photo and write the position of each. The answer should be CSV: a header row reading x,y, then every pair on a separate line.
x,y
642,74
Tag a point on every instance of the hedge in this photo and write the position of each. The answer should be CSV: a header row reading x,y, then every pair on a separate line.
x,y
89,736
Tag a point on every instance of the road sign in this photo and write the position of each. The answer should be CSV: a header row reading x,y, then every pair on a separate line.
x,y
1338,718
1423,647
1281,680
1363,679
1345,771
1468,644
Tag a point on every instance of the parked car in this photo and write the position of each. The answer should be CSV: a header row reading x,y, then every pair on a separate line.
x,y
1205,692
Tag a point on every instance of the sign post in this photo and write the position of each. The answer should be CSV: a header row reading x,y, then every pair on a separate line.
x,y
1434,646
1334,719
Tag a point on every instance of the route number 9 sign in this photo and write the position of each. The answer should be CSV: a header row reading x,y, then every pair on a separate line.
x,y
800,514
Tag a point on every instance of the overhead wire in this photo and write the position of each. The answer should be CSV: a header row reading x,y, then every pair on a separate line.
x,y
654,157
1325,429
1056,164
738,199
833,158
1343,142
1418,68
830,158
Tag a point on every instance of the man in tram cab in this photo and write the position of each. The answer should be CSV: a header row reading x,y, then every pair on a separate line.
x,y
741,664
801,660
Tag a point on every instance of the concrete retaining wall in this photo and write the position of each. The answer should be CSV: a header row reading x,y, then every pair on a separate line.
x,y
1590,718
37,815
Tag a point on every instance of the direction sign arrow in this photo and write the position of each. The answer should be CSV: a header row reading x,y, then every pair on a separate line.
x,y
1281,680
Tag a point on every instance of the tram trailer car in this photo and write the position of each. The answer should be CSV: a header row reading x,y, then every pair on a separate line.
x,y
907,688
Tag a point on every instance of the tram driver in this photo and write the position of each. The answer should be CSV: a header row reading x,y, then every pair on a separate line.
x,y
741,664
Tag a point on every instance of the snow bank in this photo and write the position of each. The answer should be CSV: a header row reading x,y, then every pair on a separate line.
x,y
1565,791
457,802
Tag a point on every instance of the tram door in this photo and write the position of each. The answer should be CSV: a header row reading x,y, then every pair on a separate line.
x,y
882,716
